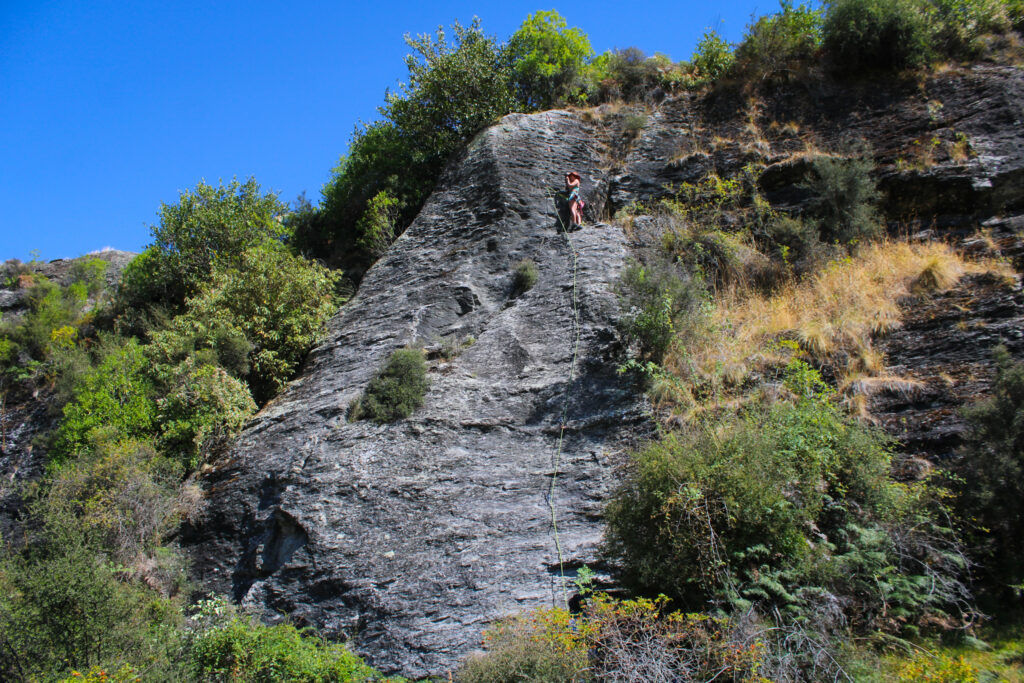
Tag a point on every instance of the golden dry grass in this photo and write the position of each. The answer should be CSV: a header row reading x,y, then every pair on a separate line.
x,y
831,317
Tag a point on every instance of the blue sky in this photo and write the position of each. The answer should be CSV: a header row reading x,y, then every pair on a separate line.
x,y
108,109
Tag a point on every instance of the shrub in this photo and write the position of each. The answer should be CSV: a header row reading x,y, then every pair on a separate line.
x,y
225,646
991,466
776,45
396,391
862,35
115,395
274,303
846,198
121,496
778,507
547,61
524,277
208,227
631,75
659,301
90,272
64,605
616,640
376,227
199,414
712,58
960,24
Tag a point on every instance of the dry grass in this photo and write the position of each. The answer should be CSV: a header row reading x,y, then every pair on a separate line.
x,y
831,317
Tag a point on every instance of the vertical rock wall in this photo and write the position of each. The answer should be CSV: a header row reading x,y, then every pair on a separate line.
x,y
414,535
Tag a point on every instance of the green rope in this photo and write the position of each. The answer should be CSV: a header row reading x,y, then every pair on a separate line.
x,y
557,460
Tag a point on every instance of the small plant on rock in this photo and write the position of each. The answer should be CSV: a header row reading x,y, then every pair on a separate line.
x,y
524,277
396,391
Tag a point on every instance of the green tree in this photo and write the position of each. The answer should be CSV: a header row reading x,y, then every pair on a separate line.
x,y
209,226
117,395
547,60
279,303
991,468
376,228
454,90
776,45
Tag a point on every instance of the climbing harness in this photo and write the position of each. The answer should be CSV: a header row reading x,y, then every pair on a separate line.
x,y
557,458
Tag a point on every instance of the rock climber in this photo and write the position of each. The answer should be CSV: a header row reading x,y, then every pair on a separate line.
x,y
576,204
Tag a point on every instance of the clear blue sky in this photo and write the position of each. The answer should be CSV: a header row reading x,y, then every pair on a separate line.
x,y
108,109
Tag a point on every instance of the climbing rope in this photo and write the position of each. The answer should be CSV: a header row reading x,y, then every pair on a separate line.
x,y
557,458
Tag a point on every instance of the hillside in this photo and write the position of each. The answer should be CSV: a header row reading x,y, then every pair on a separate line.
x,y
417,535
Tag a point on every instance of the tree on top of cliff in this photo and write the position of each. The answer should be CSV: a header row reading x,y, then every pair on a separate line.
x,y
548,60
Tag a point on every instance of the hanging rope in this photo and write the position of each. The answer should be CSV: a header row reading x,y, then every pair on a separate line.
x,y
557,458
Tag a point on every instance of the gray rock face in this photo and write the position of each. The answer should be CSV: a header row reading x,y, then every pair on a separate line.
x,y
415,535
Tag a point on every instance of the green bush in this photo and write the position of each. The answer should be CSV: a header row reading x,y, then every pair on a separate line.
x,y
524,277
90,272
64,605
547,61
225,646
958,25
258,319
659,301
865,35
209,227
205,408
376,227
846,198
991,468
779,508
777,45
712,58
116,394
631,75
396,391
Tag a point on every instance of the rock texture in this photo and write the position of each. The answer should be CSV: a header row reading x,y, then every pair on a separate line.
x,y
415,535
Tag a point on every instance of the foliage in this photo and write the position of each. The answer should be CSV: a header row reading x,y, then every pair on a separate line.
x,y
396,391
376,227
779,508
846,199
64,605
278,301
991,470
524,277
614,640
226,646
865,35
660,301
91,273
209,227
547,60
958,25
117,395
454,90
121,495
204,409
712,58
926,668
779,44
631,75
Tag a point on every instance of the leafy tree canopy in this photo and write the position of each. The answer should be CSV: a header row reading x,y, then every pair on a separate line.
x,y
547,60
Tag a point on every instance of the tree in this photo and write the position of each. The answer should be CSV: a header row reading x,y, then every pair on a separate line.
x,y
209,226
547,60
454,90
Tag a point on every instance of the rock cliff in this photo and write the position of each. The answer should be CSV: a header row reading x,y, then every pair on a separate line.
x,y
415,535
412,537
